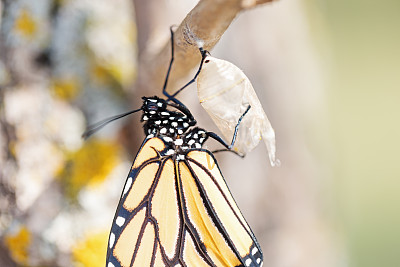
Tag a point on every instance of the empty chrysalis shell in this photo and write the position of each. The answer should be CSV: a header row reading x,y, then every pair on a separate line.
x,y
225,92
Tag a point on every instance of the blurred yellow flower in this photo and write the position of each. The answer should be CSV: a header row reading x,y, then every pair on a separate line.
x,y
25,24
91,252
66,89
100,73
18,245
123,73
90,165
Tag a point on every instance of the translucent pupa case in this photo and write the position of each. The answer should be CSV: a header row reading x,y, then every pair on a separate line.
x,y
225,93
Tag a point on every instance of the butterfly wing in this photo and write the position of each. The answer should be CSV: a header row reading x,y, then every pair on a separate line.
x,y
179,212
133,231
212,210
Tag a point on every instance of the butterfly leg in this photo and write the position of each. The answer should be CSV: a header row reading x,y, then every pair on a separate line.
x,y
203,57
220,140
172,97
169,69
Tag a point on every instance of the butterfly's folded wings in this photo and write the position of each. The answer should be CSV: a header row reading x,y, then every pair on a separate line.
x,y
179,212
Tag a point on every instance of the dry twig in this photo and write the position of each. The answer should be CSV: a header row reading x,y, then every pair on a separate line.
x,y
207,22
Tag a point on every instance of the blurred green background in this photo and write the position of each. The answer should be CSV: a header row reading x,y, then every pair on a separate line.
x,y
364,109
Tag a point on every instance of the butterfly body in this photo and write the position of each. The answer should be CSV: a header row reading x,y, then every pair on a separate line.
x,y
175,208
173,127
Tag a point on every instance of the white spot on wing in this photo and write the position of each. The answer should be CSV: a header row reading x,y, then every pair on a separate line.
x,y
197,145
254,251
258,260
247,262
191,142
127,186
120,221
110,265
112,240
185,124
180,157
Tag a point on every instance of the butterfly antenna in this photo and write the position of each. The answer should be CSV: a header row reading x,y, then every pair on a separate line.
x,y
97,126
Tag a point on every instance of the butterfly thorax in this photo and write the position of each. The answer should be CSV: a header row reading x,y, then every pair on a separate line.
x,y
171,126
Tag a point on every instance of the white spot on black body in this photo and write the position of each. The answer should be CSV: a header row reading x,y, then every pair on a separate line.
x,y
178,142
167,139
170,152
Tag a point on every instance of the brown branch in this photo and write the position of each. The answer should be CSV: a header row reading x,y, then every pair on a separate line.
x,y
207,21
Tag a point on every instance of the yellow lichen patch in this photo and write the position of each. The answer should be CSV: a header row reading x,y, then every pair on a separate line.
x,y
25,24
89,165
91,252
66,88
18,245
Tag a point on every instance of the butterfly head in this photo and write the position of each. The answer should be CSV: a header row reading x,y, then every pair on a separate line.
x,y
160,121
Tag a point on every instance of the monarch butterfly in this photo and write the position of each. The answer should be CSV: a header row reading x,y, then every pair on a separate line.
x,y
224,92
175,208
